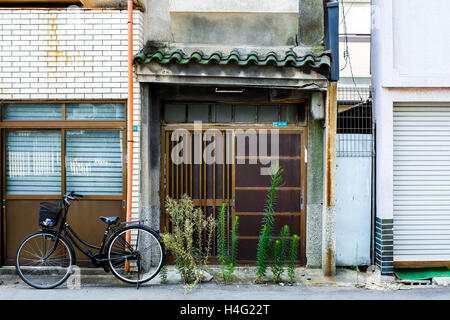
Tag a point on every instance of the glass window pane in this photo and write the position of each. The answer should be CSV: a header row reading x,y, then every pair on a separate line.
x,y
95,111
289,112
198,112
33,111
243,113
223,113
33,162
175,112
267,113
94,162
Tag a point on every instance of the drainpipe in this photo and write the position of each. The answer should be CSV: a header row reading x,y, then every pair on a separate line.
x,y
329,211
130,111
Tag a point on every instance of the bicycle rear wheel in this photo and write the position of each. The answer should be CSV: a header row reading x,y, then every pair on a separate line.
x,y
43,273
139,259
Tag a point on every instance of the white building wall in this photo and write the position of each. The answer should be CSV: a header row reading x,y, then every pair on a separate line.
x,y
70,54
354,34
409,64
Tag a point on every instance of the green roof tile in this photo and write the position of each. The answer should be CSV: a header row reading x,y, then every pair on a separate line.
x,y
289,58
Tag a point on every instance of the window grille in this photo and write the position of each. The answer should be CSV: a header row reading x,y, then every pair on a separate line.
x,y
355,127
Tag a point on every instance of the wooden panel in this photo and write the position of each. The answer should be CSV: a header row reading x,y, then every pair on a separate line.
x,y
84,216
251,188
289,145
22,219
421,264
249,175
255,200
250,225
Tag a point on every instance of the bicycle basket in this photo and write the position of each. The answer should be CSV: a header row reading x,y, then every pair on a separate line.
x,y
49,214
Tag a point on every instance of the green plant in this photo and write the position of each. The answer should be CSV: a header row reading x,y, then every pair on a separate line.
x,y
221,240
279,254
277,263
265,237
164,274
293,257
185,242
234,240
227,261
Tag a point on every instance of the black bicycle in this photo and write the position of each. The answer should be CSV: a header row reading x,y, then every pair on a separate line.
x,y
133,252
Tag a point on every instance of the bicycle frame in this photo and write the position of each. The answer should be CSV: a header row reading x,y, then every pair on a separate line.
x,y
72,236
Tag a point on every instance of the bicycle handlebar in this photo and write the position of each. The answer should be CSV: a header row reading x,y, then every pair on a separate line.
x,y
72,196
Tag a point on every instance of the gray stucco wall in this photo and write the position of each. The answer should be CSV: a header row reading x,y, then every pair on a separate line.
x,y
150,205
311,22
240,23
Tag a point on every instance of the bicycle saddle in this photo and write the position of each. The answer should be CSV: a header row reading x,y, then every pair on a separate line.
x,y
109,220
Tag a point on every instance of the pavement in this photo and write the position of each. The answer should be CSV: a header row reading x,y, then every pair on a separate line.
x,y
310,284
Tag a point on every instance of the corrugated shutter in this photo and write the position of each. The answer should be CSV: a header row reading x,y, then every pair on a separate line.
x,y
421,183
94,162
33,162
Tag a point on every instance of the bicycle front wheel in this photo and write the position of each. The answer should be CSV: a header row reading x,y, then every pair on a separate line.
x,y
37,267
135,253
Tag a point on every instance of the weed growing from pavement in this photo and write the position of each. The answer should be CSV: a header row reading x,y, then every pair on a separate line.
x,y
265,237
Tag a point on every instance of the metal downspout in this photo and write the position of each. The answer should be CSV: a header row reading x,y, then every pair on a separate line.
x,y
130,113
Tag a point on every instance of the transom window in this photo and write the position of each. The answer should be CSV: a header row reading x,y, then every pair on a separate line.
x,y
67,147
233,113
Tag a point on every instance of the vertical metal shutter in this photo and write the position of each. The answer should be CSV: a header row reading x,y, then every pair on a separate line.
x,y
421,183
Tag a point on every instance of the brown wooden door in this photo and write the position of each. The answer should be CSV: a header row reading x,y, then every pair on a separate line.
x,y
208,183
250,189
236,180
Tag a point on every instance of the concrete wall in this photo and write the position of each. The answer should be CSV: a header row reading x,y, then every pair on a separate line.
x,y
70,55
244,23
314,191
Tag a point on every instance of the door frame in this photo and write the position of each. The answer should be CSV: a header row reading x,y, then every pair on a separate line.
x,y
58,125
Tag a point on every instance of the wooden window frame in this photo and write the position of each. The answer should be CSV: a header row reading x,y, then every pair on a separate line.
x,y
64,125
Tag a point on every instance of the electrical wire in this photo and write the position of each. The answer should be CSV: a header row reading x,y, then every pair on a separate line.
x,y
346,51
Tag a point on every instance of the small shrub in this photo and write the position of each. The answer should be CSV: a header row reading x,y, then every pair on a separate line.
x,y
185,242
265,237
293,257
279,254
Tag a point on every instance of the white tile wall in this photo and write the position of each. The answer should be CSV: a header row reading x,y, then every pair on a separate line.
x,y
69,54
